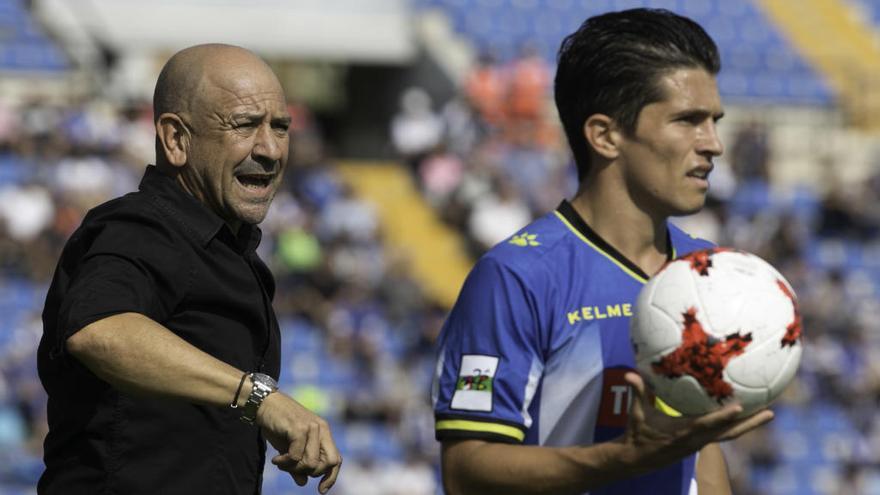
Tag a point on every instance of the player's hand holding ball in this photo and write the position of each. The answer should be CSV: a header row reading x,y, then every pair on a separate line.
x,y
654,439
717,336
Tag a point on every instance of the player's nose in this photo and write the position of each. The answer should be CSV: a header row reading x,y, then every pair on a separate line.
x,y
709,142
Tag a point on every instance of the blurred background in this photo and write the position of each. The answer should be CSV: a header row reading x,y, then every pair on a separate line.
x,y
424,133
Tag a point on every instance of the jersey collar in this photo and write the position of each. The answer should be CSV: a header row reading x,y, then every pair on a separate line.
x,y
571,217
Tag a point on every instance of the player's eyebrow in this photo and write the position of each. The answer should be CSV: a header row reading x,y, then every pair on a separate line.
x,y
698,113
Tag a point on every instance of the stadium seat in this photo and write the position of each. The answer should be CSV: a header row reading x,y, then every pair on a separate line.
x,y
759,63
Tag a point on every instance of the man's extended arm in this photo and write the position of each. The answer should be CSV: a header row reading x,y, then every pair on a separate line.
x,y
141,357
651,440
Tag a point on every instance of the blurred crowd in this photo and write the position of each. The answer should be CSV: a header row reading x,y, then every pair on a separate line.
x,y
358,331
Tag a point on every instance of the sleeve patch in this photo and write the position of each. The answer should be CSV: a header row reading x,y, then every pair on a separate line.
x,y
473,389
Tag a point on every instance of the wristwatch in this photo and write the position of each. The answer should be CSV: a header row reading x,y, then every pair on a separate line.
x,y
263,386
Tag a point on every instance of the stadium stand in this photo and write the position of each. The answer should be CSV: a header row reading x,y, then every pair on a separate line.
x,y
759,64
23,44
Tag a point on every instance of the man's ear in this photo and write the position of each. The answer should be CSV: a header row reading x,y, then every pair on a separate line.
x,y
602,135
174,138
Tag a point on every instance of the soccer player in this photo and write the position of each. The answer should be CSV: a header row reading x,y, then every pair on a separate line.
x,y
534,391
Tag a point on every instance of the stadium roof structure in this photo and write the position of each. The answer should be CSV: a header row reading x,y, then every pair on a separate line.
x,y
377,31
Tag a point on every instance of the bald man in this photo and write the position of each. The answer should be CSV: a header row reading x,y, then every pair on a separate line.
x,y
161,351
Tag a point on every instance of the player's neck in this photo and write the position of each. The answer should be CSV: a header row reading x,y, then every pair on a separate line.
x,y
635,234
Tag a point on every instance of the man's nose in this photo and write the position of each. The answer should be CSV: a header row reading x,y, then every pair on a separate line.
x,y
268,146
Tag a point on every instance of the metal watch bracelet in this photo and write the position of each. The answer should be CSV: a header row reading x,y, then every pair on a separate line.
x,y
263,386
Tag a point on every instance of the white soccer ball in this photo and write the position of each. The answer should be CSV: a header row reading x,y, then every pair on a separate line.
x,y
714,327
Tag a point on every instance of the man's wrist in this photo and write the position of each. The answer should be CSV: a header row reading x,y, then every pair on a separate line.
x,y
263,386
242,392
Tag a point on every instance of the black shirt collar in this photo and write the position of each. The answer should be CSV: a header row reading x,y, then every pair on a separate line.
x,y
199,222
567,210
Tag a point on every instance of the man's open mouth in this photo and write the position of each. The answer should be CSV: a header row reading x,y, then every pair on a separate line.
x,y
254,181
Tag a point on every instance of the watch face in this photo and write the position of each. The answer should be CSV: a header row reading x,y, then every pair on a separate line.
x,y
265,380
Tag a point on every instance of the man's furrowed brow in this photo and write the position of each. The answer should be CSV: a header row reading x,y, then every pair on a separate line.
x,y
282,120
248,116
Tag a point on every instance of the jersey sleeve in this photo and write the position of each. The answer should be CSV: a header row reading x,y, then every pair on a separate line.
x,y
489,361
129,266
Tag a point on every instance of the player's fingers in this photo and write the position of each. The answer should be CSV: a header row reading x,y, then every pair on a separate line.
x,y
637,411
746,425
721,418
329,479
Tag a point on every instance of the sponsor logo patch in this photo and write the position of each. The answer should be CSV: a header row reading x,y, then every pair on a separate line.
x,y
616,399
473,390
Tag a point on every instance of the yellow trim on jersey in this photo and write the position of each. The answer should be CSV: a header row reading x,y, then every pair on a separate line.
x,y
665,408
463,424
599,250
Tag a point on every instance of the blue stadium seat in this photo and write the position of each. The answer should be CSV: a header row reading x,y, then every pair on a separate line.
x,y
14,170
759,64
373,441
23,44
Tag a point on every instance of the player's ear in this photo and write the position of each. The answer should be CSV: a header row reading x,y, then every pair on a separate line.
x,y
173,136
602,135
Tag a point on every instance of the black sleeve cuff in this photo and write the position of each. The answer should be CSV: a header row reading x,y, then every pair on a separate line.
x,y
468,427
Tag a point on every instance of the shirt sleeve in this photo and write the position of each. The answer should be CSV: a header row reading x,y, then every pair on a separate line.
x,y
131,265
489,361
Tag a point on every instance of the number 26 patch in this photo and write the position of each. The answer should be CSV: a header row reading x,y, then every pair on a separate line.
x,y
473,389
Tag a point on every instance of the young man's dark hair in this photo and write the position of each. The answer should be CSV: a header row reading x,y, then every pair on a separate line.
x,y
612,63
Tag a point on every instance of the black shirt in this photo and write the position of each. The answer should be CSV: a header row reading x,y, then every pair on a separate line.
x,y
161,253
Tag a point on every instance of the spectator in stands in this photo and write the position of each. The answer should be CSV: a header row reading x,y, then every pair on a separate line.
x,y
486,89
440,174
750,152
529,84
497,215
159,302
416,129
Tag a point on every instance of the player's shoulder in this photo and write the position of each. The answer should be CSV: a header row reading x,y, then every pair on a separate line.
x,y
684,243
526,249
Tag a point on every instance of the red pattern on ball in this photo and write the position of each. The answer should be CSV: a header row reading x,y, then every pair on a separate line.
x,y
703,357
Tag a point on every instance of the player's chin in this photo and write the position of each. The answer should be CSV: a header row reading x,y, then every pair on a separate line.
x,y
692,210
690,204
683,210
